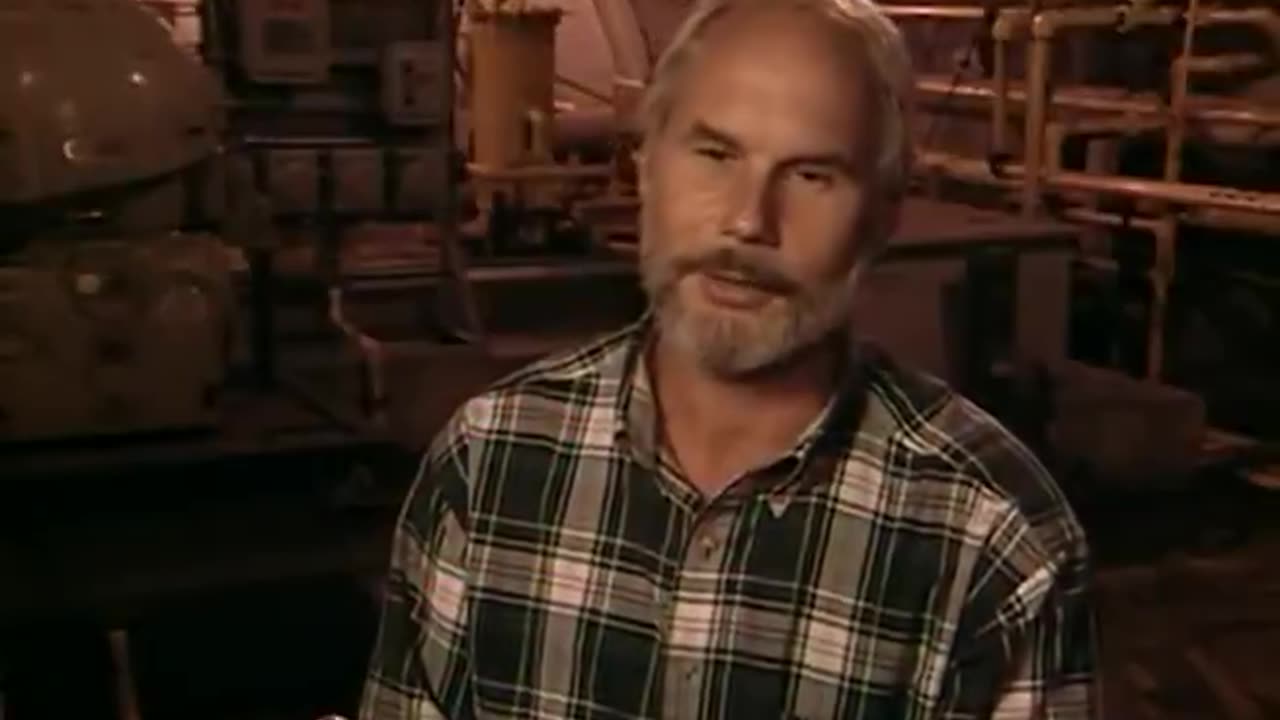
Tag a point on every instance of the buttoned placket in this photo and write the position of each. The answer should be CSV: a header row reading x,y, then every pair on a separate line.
x,y
685,667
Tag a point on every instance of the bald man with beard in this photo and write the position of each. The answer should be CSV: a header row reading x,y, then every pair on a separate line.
x,y
733,508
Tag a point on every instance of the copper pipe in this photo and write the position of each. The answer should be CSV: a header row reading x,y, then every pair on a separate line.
x,y
962,168
1226,63
1110,125
1109,219
1044,27
934,12
372,356
1046,24
540,172
1165,263
631,59
1205,109
1176,193
1038,60
1162,229
1264,19
1000,108
1011,24
1233,220
1161,277
1179,76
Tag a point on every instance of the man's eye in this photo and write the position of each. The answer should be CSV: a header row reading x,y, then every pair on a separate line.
x,y
714,154
817,178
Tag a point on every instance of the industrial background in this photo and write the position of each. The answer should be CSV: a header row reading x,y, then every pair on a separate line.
x,y
253,252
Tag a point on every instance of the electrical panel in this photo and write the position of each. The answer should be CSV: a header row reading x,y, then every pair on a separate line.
x,y
293,181
413,82
358,180
421,179
285,41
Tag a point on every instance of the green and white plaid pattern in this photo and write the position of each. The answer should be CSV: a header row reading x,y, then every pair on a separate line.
x,y
909,559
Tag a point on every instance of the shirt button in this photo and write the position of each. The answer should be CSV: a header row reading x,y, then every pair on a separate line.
x,y
709,546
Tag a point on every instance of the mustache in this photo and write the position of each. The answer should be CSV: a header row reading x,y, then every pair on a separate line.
x,y
750,266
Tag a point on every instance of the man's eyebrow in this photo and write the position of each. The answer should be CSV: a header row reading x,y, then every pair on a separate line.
x,y
702,131
834,160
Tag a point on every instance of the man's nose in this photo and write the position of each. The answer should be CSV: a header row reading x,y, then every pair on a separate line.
x,y
749,213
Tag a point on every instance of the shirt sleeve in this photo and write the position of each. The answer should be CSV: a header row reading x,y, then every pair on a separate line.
x,y
1026,645
420,667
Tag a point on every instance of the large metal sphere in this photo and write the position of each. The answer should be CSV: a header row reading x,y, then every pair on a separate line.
x,y
95,94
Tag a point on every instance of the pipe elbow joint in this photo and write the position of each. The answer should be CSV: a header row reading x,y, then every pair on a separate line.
x,y
1045,24
1010,24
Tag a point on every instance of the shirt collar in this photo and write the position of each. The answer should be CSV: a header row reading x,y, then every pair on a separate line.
x,y
810,460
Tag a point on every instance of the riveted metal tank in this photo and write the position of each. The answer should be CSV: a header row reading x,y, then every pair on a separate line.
x,y
95,94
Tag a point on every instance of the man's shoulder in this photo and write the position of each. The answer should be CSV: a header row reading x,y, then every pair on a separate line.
x,y
545,391
929,431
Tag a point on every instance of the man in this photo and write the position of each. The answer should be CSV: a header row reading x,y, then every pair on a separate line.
x,y
731,510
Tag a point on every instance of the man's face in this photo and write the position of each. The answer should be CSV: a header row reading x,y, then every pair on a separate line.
x,y
756,192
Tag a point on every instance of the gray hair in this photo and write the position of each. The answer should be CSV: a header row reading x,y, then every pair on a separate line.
x,y
872,33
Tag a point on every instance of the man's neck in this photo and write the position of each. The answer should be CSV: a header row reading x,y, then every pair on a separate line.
x,y
720,428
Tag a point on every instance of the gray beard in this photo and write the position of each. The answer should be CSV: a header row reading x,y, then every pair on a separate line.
x,y
736,345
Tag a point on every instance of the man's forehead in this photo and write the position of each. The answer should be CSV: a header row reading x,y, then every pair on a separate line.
x,y
791,47
760,33
773,74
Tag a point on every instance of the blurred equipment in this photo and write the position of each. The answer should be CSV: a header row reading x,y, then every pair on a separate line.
x,y
113,336
341,112
115,314
523,195
1154,127
285,41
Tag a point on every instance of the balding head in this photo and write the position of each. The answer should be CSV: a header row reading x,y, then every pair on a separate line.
x,y
864,35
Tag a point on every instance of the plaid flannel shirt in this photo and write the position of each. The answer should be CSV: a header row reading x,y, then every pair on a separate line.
x,y
908,559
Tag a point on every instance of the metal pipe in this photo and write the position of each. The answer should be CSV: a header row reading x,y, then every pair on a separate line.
x,y
1038,60
1109,125
934,12
372,357
964,169
1000,108
1179,76
1176,193
631,58
1109,219
1161,277
1203,109
1226,63
1044,27
541,172
1265,19
1011,24
1233,220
